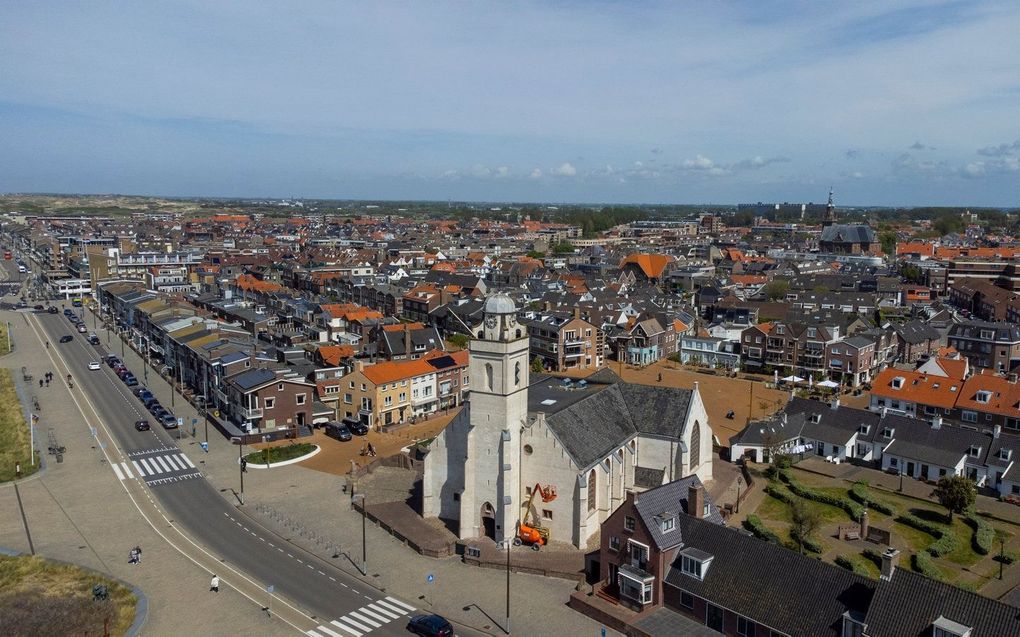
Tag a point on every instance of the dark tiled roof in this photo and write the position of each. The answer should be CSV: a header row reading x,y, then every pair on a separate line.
x,y
253,378
909,603
671,498
848,234
648,478
772,585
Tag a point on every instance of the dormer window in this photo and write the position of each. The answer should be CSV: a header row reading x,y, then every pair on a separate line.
x,y
695,563
974,451
812,332
779,329
888,432
945,627
897,383
864,429
1005,454
667,522
816,418
983,396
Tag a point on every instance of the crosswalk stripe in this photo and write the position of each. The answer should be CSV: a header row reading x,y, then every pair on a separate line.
x,y
170,461
361,618
330,632
138,468
400,603
345,628
352,623
116,469
186,460
162,463
385,604
380,609
312,633
152,470
127,470
374,614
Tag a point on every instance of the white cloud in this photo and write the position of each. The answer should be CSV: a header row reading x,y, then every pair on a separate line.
x,y
857,175
566,169
1000,150
974,169
502,171
699,163
536,173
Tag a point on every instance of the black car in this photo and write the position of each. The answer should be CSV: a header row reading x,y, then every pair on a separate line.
x,y
51,309
338,431
67,312
142,425
357,427
430,626
112,360
149,401
38,307
154,407
66,338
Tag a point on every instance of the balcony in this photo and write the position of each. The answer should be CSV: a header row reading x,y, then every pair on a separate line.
x,y
252,414
573,343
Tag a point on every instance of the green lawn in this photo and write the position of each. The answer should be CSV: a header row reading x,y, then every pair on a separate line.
x,y
47,598
279,454
15,440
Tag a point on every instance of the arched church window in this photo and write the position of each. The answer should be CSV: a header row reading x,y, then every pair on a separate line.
x,y
488,376
695,446
517,374
592,493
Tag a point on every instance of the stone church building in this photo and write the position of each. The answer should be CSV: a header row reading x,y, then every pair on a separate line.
x,y
591,441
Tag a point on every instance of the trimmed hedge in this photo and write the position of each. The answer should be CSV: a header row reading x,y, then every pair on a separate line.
x,y
754,524
861,493
984,534
852,509
945,540
873,555
850,565
779,492
923,565
810,545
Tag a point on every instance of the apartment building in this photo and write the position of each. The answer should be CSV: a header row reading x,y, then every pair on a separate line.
x,y
394,392
564,342
994,346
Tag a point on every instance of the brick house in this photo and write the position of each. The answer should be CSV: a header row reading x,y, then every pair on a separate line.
x,y
564,342
914,340
994,346
264,400
851,361
638,540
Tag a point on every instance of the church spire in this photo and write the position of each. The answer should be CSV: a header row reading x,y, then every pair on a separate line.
x,y
830,211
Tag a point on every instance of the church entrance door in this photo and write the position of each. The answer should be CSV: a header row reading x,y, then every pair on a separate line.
x,y
489,521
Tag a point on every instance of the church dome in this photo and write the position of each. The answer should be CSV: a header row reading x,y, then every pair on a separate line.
x,y
500,303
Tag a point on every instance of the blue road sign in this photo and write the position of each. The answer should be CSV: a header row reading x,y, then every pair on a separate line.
x,y
430,578
270,588
194,421
603,631
205,446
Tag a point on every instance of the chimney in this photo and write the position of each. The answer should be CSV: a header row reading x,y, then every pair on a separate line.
x,y
1011,378
407,340
577,312
885,412
936,422
996,430
835,403
890,559
359,365
696,500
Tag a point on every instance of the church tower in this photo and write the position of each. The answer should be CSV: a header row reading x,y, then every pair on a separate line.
x,y
498,372
830,212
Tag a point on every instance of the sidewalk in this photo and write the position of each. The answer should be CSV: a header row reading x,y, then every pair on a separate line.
x,y
310,509
77,512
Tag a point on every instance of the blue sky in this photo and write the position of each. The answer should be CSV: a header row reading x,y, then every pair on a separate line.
x,y
900,103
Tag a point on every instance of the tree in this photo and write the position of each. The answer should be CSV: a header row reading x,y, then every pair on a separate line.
x,y
537,366
805,521
776,289
535,254
948,223
564,247
460,340
956,493
888,242
912,273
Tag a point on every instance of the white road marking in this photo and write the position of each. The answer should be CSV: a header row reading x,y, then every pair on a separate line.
x,y
116,469
362,618
379,608
330,632
186,460
127,470
138,468
400,603
374,615
149,469
163,463
353,623
341,626
170,461
384,604
312,633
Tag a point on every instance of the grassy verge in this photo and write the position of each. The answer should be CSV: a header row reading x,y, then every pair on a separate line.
x,y
3,340
15,440
279,454
47,598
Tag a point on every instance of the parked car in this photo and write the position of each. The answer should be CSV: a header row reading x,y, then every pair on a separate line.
x,y
38,306
66,338
52,309
149,400
142,425
168,420
140,391
111,360
94,366
82,329
338,431
430,626
93,339
67,311
130,380
155,408
357,427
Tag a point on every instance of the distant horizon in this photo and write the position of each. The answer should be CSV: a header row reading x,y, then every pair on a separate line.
x,y
893,102
490,202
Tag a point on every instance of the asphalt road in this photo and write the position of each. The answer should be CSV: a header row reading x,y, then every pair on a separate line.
x,y
346,606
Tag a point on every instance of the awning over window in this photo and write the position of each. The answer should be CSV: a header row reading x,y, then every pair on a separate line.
x,y
635,574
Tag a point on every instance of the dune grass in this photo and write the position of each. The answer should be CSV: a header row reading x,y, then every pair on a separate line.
x,y
15,440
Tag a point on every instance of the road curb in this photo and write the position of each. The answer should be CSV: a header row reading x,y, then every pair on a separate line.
x,y
284,463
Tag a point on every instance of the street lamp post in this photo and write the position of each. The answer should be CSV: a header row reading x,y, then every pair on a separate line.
x,y
740,482
901,480
364,545
509,543
240,464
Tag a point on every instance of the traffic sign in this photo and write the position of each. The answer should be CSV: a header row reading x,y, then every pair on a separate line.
x,y
270,588
430,578
180,421
204,445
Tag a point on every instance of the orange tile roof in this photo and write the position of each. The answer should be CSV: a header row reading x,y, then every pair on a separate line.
x,y
917,388
389,371
1003,399
651,264
335,354
250,283
399,327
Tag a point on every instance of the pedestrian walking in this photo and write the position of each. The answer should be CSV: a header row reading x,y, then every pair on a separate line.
x,y
134,557
41,382
244,466
47,382
214,585
138,554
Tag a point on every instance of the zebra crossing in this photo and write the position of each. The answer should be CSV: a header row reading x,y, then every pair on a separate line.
x,y
157,466
364,620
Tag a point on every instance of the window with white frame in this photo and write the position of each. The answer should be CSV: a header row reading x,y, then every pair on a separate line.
x,y
269,403
974,451
968,416
983,396
300,398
